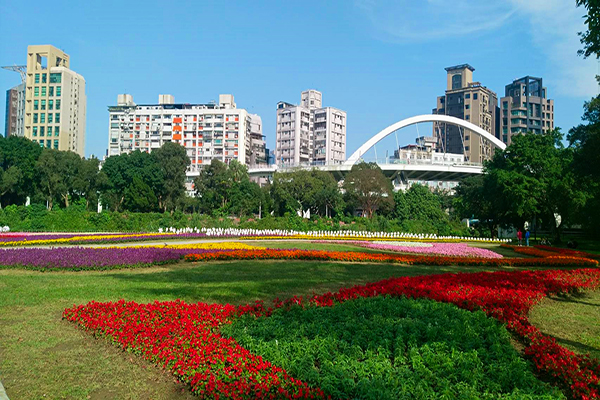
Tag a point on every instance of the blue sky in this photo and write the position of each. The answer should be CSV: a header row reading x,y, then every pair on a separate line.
x,y
381,61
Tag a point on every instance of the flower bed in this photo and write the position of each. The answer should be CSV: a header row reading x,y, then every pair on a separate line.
x,y
351,256
444,249
569,252
86,258
71,239
185,338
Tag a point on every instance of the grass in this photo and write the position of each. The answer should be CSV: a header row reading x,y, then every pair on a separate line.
x,y
43,357
574,321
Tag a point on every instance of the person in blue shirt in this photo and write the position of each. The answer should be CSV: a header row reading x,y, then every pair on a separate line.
x,y
527,234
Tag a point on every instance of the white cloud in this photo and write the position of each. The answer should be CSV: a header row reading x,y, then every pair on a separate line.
x,y
410,20
553,27
551,24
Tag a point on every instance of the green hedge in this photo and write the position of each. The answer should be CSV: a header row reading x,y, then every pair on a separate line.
x,y
36,218
393,348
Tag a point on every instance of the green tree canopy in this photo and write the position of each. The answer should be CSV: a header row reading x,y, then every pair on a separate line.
x,y
57,172
120,171
18,158
304,190
591,37
368,188
173,162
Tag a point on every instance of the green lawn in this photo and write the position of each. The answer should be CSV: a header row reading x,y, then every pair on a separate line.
x,y
574,321
43,357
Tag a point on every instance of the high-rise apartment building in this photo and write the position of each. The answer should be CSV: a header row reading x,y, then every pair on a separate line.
x,y
310,134
526,108
55,101
473,102
207,131
15,111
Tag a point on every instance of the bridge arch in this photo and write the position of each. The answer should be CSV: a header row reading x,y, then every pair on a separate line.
x,y
419,119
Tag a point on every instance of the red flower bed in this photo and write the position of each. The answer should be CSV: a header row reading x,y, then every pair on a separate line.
x,y
185,337
351,256
569,252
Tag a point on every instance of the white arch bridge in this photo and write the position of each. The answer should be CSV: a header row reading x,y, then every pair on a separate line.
x,y
417,170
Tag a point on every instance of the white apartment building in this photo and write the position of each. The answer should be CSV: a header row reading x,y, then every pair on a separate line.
x,y
55,101
207,131
310,134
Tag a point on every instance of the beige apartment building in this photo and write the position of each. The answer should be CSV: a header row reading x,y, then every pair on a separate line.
x,y
55,101
526,108
473,102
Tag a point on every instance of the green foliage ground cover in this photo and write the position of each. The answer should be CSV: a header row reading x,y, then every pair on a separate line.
x,y
36,218
393,348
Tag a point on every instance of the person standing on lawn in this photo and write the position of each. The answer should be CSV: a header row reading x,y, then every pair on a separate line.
x,y
520,236
527,234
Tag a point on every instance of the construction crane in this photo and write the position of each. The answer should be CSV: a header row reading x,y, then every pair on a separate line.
x,y
21,69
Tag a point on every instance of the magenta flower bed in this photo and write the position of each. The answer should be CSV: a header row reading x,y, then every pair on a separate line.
x,y
78,258
443,249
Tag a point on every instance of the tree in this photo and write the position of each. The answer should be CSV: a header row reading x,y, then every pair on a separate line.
x,y
213,187
532,178
89,181
590,38
139,196
369,188
120,171
19,155
10,180
173,162
304,190
584,139
246,198
419,203
57,171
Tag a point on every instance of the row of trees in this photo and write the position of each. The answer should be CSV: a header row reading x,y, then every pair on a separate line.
x,y
227,190
129,182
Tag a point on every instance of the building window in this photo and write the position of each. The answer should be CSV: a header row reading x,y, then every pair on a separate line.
x,y
50,104
35,118
56,78
56,131
466,148
505,105
43,104
467,106
37,78
42,118
56,144
468,96
58,104
44,91
42,130
51,91
474,96
467,117
36,91
57,117
36,104
35,130
50,118
58,91
44,76
456,81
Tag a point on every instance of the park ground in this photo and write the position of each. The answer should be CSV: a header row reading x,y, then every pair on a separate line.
x,y
44,357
